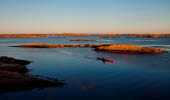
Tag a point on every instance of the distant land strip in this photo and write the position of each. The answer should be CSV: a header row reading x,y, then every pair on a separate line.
x,y
83,34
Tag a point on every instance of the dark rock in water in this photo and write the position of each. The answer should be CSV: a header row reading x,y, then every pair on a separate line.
x,y
12,77
12,81
22,69
13,65
10,60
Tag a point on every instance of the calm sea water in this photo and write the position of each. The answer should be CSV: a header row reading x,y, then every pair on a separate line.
x,y
130,77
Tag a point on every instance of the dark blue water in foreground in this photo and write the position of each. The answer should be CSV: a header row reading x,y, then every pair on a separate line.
x,y
130,77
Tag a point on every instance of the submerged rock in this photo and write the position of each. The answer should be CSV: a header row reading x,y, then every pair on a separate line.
x,y
22,35
120,48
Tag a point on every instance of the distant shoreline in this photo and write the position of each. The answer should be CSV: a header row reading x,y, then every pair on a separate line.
x,y
79,35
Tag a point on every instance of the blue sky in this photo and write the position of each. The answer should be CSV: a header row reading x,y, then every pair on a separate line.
x,y
84,16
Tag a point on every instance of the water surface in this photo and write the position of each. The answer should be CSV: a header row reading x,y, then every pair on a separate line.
x,y
131,76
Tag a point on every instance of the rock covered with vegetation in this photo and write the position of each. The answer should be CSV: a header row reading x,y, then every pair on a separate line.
x,y
121,48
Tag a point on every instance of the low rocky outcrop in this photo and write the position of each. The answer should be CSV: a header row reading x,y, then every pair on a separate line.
x,y
39,35
13,78
22,35
82,40
120,48
70,45
13,81
153,35
37,45
110,36
13,65
116,48
10,60
22,69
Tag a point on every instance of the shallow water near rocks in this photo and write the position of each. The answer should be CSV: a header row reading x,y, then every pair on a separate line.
x,y
131,76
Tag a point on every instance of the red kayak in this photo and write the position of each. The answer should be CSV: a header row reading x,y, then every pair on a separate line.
x,y
105,59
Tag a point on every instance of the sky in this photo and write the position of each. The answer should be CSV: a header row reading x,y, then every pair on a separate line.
x,y
84,16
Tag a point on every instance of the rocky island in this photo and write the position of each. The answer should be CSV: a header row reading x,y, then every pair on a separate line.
x,y
112,48
121,48
13,78
39,45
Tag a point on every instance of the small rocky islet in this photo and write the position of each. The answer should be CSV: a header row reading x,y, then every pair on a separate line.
x,y
120,48
111,48
13,77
